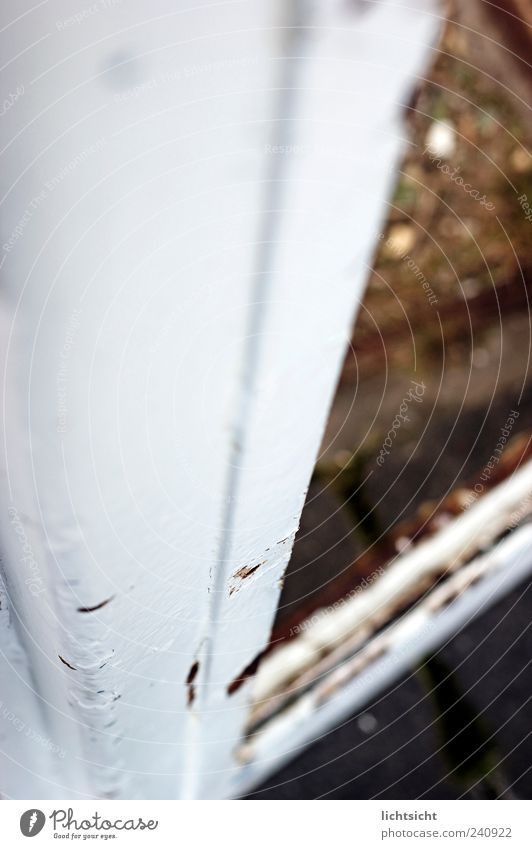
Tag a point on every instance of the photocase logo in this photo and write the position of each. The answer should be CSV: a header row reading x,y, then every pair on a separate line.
x,y
32,822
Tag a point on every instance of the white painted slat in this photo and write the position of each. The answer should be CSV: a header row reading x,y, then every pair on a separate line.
x,y
353,69
125,300
176,296
404,644
29,755
470,532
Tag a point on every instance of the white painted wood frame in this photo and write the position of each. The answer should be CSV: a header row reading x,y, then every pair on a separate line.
x,y
344,656
190,195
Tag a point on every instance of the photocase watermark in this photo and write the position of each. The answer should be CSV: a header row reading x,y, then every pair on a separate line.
x,y
414,394
413,267
62,372
493,461
286,149
316,617
29,732
9,101
24,220
50,185
455,177
74,163
525,206
517,515
65,824
32,822
34,582
84,14
179,74
64,819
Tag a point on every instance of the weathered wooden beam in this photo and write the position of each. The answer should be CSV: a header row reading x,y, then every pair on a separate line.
x,y
327,639
189,204
297,701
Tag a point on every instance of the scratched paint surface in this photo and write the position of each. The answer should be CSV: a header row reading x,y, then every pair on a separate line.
x,y
189,203
343,140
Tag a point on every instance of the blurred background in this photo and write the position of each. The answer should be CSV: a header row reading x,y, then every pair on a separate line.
x,y
446,308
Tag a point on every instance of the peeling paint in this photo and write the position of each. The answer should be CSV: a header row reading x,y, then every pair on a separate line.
x,y
246,571
96,606
191,677
246,673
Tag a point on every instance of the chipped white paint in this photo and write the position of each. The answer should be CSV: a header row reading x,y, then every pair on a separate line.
x,y
189,201
349,686
443,553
